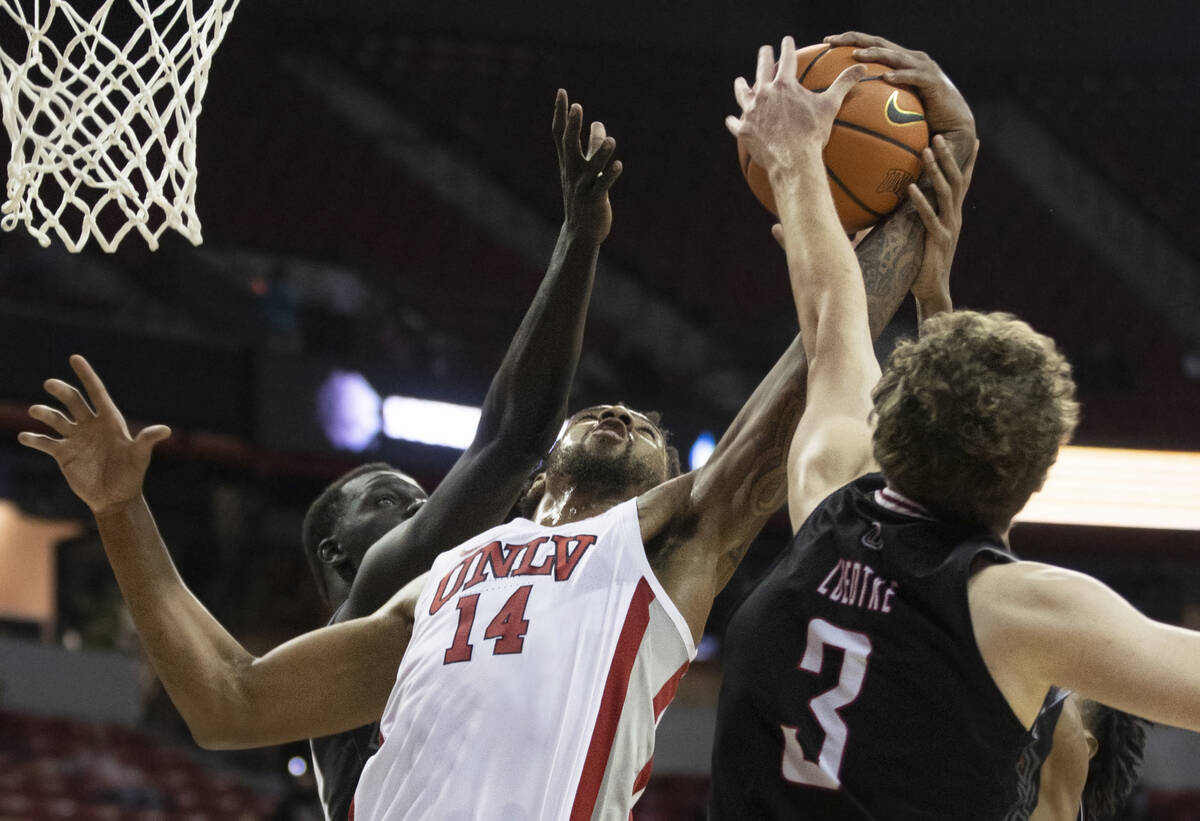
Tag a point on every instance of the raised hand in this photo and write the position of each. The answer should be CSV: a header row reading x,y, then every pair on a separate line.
x,y
784,124
586,175
932,285
946,111
101,462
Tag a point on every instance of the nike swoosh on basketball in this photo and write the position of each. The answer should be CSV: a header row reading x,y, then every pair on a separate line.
x,y
897,115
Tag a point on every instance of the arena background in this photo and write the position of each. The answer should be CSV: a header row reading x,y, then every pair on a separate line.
x,y
379,196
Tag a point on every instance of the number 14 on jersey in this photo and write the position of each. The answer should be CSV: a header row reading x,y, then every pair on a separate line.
x,y
508,628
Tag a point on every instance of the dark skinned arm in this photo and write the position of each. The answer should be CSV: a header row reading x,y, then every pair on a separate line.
x,y
227,696
526,402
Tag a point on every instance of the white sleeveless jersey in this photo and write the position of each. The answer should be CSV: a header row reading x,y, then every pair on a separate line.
x,y
540,662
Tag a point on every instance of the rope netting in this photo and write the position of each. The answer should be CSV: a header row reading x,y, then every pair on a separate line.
x,y
101,114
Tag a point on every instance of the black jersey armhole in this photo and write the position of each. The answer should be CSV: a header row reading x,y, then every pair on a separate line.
x,y
982,557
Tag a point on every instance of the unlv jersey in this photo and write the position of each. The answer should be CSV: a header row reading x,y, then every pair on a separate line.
x,y
853,687
540,661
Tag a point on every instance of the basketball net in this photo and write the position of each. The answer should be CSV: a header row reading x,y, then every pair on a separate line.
x,y
103,126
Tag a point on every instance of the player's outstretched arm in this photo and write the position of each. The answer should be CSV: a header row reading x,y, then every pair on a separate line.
x,y
832,442
785,128
1038,625
227,696
526,402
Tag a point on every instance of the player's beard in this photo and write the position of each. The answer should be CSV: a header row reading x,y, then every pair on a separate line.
x,y
603,473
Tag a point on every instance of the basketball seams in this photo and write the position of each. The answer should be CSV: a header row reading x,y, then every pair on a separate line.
x,y
872,79
850,194
864,130
812,63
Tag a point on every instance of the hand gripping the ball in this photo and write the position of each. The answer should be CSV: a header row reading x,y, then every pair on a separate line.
x,y
784,125
946,109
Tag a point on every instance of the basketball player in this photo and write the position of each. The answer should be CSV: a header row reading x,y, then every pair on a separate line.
x,y
895,662
375,529
1093,766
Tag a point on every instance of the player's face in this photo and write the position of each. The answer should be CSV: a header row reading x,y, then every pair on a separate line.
x,y
375,503
616,438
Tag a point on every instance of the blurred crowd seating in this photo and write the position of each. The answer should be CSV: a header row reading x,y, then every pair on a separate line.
x,y
57,768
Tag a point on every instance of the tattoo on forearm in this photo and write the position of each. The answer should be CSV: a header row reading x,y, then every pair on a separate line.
x,y
765,490
890,258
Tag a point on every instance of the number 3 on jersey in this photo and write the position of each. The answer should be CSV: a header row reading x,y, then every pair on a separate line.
x,y
507,628
856,648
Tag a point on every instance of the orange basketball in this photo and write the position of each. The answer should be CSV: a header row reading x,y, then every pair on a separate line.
x,y
874,150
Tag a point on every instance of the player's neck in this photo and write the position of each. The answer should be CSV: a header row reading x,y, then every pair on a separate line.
x,y
572,503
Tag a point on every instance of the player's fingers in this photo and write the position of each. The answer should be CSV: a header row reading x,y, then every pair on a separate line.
x,y
845,81
52,418
559,122
96,391
571,145
37,441
600,157
896,58
734,124
787,59
918,78
933,171
596,137
75,404
742,93
928,216
605,181
150,436
766,66
947,164
861,40
969,169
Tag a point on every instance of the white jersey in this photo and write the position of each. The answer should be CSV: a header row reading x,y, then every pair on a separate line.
x,y
539,664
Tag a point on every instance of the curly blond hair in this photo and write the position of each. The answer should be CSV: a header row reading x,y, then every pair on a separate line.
x,y
970,417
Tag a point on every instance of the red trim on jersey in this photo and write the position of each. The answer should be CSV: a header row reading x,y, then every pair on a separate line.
x,y
643,777
667,694
891,498
615,688
350,814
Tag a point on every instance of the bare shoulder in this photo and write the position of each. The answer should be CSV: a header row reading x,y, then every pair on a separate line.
x,y
1029,593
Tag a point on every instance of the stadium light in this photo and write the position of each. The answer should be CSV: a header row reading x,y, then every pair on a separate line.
x,y
429,422
1114,487
348,410
702,449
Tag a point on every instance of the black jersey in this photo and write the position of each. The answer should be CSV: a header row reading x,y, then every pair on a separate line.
x,y
338,761
853,687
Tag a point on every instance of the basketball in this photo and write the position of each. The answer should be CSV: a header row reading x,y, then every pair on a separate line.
x,y
874,150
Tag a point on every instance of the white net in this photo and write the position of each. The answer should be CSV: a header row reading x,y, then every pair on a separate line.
x,y
102,114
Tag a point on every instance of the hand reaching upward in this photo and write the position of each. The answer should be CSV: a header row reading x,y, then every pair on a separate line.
x,y
586,175
784,125
931,289
101,462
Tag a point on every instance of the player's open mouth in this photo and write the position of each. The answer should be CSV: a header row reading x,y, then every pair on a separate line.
x,y
612,427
